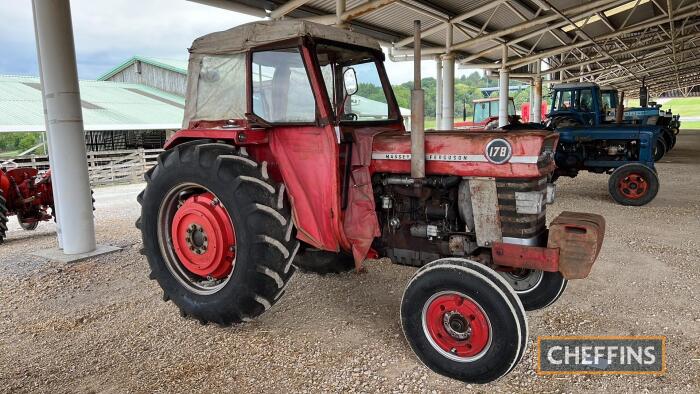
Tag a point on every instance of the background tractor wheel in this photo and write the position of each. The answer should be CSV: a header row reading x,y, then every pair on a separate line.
x,y
633,184
463,321
659,148
3,217
323,262
27,226
217,232
536,289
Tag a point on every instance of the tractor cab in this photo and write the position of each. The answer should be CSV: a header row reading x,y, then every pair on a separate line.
x,y
578,103
485,116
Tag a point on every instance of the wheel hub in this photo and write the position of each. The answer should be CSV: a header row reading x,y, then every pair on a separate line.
x,y
203,236
458,325
633,186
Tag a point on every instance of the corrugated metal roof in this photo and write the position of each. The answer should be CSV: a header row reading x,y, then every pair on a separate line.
x,y
392,22
106,106
175,65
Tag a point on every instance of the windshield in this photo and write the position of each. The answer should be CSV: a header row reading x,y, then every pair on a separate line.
x,y
371,102
489,109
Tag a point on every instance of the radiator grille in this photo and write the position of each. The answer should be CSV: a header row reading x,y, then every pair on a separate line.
x,y
515,224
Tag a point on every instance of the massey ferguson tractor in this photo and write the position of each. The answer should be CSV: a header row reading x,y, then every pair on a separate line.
x,y
26,194
273,171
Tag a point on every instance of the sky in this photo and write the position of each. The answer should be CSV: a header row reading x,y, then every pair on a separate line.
x,y
109,32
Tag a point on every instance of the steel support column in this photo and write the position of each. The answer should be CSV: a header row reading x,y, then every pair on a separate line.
x,y
537,96
503,91
448,84
438,93
61,96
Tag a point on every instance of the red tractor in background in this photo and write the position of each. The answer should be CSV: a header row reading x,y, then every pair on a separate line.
x,y
273,171
485,115
25,193
525,111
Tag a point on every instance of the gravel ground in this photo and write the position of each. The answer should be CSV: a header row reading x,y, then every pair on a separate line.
x,y
100,325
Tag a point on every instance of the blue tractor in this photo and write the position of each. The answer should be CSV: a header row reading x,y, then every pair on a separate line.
x,y
648,113
588,142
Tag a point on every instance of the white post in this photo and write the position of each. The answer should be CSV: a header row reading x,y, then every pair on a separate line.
x,y
503,91
531,98
59,84
448,84
438,94
537,98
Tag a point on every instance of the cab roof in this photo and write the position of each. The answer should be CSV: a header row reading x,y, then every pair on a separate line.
x,y
250,35
575,85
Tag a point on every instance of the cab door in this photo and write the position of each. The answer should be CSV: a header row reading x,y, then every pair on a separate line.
x,y
286,95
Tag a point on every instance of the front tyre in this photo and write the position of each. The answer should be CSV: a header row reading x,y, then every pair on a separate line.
x,y
463,321
536,289
217,232
633,184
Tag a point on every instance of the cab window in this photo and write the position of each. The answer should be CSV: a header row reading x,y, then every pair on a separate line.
x,y
281,88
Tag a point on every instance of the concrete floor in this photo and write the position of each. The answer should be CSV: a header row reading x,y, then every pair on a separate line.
x,y
100,324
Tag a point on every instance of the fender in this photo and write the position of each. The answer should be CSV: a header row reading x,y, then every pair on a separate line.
x,y
235,136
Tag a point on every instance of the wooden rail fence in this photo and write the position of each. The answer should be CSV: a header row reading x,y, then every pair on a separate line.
x,y
105,167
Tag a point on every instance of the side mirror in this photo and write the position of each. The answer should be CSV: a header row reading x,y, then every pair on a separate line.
x,y
350,81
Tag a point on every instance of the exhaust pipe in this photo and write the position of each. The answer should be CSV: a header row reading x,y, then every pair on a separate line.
x,y
417,109
619,113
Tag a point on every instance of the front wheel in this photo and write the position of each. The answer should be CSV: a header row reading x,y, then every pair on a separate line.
x,y
633,184
463,321
536,289
217,233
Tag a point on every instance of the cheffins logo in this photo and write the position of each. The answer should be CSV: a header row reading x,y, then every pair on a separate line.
x,y
498,151
601,355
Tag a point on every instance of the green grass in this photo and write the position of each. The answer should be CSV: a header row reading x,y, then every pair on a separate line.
x,y
689,125
9,154
686,106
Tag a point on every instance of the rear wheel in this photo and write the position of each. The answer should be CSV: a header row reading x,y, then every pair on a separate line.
x,y
463,321
633,184
3,217
659,149
217,233
323,262
536,289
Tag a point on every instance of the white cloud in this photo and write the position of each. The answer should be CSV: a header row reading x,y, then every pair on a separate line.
x,y
109,32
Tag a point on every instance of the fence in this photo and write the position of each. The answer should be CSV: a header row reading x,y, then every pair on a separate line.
x,y
105,167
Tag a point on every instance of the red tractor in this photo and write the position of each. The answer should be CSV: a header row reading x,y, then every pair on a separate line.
x,y
274,171
25,193
485,115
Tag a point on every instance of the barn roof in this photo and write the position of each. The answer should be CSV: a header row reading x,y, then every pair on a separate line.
x,y
175,65
105,106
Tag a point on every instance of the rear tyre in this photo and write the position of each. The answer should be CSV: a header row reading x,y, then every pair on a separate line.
x,y
536,289
633,184
322,262
659,148
217,232
3,217
463,321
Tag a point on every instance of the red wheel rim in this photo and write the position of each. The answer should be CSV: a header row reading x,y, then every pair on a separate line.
x,y
203,237
456,325
633,186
